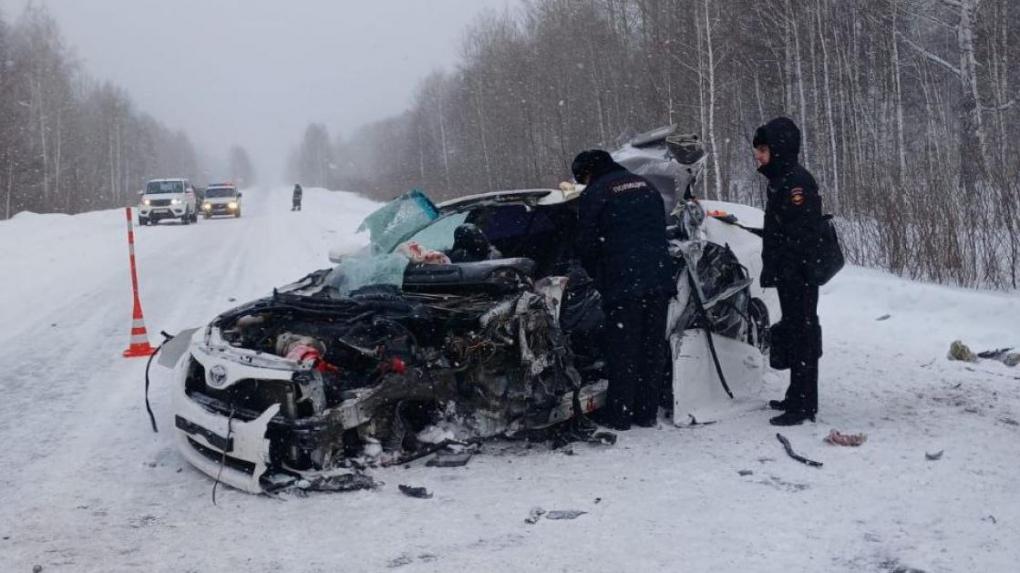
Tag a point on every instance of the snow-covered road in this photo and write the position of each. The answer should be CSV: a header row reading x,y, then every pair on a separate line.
x,y
86,485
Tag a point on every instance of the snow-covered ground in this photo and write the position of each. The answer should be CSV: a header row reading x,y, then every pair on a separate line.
x,y
86,485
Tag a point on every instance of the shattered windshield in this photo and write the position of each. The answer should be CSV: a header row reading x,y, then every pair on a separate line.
x,y
394,222
410,216
439,235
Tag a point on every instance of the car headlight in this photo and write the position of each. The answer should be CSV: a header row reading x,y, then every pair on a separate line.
x,y
175,201
232,205
206,206
147,202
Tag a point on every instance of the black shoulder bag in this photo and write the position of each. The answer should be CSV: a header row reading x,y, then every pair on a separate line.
x,y
829,254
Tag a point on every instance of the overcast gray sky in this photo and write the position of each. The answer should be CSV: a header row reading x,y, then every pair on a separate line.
x,y
256,71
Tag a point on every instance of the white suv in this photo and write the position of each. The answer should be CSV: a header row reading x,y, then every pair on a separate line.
x,y
168,199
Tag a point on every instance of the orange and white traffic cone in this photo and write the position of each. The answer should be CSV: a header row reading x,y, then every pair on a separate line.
x,y
139,346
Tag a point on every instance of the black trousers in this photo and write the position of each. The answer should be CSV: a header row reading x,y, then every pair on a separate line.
x,y
799,303
635,335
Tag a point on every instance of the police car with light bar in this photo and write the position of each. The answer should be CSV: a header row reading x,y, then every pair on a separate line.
x,y
221,199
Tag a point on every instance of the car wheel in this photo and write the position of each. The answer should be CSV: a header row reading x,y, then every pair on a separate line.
x,y
758,333
237,215
186,219
206,216
143,221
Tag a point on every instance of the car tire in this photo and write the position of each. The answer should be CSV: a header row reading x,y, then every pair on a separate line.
x,y
206,216
143,221
237,215
186,219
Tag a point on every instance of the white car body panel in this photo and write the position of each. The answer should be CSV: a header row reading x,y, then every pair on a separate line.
x,y
698,394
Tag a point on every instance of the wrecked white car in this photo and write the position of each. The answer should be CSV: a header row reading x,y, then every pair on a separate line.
x,y
463,321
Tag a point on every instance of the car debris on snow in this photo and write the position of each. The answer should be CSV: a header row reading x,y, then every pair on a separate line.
x,y
538,513
534,515
894,566
416,492
330,483
789,451
558,514
1004,355
934,457
837,438
447,458
883,317
781,484
695,423
961,352
604,438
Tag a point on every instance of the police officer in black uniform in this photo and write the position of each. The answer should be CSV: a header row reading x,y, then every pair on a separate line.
x,y
622,244
790,254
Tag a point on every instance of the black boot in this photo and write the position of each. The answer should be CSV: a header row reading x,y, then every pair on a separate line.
x,y
651,422
605,417
618,425
781,405
792,418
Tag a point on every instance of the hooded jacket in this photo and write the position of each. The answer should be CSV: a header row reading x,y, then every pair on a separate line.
x,y
622,234
793,209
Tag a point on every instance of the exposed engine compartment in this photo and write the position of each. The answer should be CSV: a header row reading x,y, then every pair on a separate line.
x,y
384,374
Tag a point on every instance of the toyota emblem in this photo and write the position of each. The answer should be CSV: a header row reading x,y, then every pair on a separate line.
x,y
218,376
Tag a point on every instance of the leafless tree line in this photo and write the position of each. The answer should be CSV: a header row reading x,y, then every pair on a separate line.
x,y
906,108
67,143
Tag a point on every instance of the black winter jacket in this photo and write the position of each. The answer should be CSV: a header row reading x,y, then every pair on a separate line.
x,y
793,209
622,236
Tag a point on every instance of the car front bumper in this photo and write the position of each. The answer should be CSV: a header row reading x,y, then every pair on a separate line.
x,y
233,448
220,209
234,451
155,213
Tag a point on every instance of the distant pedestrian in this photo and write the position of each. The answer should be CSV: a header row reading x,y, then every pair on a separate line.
x,y
622,244
296,198
790,256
